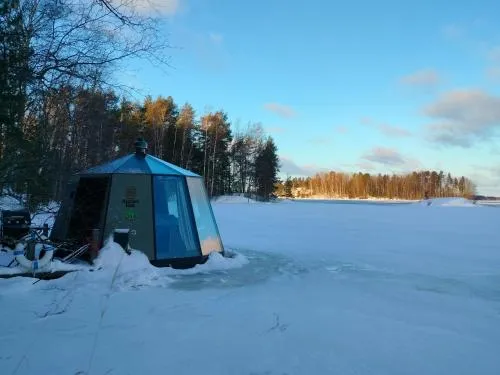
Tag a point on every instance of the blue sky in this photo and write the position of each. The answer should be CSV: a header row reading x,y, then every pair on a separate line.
x,y
385,86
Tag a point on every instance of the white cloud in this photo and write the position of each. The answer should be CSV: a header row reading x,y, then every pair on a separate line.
x,y
465,117
382,155
290,167
391,158
341,129
449,134
422,78
487,179
394,131
164,7
468,106
280,109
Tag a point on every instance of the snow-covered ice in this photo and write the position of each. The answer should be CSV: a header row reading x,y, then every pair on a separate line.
x,y
310,288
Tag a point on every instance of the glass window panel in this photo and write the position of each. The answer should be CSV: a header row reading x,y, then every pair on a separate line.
x,y
205,221
175,235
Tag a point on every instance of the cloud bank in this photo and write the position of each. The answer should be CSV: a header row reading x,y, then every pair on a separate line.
x,y
463,117
389,157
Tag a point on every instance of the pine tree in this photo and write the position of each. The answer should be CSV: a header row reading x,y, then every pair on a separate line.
x,y
288,187
266,169
14,77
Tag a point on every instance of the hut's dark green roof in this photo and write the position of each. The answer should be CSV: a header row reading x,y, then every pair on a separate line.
x,y
137,164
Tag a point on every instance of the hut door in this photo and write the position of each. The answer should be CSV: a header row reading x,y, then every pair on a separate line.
x,y
88,206
60,229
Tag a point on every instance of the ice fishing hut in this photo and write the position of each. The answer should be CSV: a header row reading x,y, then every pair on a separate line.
x,y
165,208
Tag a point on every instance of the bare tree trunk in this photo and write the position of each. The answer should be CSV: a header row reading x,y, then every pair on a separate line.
x,y
213,160
182,147
205,155
175,143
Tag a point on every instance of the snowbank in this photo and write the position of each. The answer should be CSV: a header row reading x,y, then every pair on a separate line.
x,y
233,199
131,271
123,270
215,263
448,202
9,203
134,267
45,215
112,257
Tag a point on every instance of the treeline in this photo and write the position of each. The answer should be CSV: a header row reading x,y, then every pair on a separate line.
x,y
80,128
61,110
416,185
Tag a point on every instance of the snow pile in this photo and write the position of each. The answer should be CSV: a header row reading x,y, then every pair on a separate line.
x,y
126,271
234,199
459,202
216,262
448,202
130,270
45,214
134,270
8,202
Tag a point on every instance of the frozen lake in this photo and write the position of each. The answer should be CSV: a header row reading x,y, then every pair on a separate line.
x,y
315,288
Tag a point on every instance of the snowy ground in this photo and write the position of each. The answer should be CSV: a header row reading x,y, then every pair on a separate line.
x,y
314,288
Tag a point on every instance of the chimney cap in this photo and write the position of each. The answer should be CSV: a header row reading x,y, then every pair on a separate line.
x,y
141,147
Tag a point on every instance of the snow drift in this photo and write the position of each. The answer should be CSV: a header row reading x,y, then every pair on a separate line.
x,y
233,199
448,202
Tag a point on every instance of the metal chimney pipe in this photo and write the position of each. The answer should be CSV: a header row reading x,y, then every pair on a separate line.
x,y
141,147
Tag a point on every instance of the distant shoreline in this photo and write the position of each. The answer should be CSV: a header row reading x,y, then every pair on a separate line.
x,y
239,198
388,200
381,200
